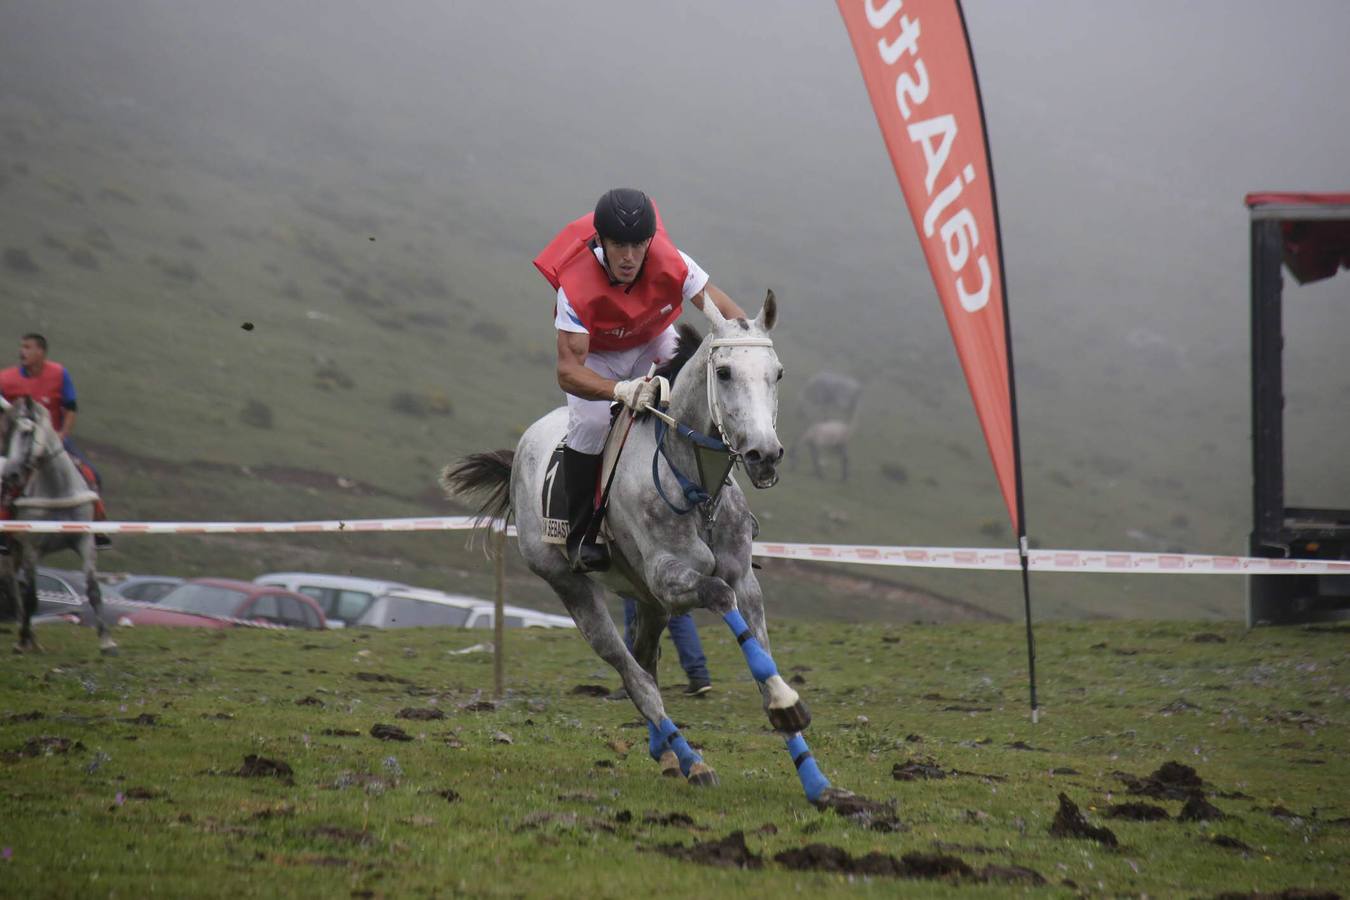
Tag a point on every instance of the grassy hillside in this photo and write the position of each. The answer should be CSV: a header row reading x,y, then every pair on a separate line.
x,y
129,775
376,244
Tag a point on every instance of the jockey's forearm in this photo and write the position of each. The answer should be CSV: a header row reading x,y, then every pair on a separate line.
x,y
67,424
580,381
729,308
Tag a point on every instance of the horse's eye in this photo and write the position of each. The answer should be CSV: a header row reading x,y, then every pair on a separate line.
x,y
724,373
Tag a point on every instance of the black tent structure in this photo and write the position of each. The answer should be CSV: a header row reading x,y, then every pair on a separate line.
x,y
1309,235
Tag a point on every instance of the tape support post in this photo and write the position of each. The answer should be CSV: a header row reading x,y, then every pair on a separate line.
x,y
971,558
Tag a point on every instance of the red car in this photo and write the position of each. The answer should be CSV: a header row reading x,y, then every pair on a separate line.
x,y
222,602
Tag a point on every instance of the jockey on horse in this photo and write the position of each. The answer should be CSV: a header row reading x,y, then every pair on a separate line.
x,y
49,383
621,285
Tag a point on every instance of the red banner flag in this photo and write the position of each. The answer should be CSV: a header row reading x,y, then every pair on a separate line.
x,y
916,62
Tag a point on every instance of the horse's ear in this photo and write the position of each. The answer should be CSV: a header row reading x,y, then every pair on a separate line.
x,y
768,315
712,312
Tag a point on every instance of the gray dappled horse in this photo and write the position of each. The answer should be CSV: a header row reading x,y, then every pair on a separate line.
x,y
41,482
726,387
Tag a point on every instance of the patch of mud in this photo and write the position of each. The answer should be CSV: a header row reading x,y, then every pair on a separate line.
x,y
542,818
381,678
340,732
1286,894
870,814
913,770
262,767
825,858
672,820
1208,637
1023,745
143,793
1171,781
1179,706
342,835
422,714
26,717
1069,823
729,852
309,701
483,706
44,745
1231,843
1198,809
450,795
389,732
590,690
1137,812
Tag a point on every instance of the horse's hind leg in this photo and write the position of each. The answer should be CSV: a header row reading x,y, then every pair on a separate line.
x,y
646,649
26,592
88,553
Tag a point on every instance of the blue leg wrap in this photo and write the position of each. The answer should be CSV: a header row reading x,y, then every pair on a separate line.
x,y
761,663
688,756
814,781
656,742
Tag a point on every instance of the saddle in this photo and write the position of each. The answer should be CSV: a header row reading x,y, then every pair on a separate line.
x,y
553,495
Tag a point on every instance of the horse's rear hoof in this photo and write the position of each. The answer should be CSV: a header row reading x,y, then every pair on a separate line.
x,y
702,775
670,765
790,719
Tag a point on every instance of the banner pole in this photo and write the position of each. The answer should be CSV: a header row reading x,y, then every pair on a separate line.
x,y
1022,543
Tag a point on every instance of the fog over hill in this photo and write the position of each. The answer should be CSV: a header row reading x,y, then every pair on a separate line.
x,y
397,165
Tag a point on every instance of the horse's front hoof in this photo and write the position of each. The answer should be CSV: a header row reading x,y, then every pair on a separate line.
x,y
670,765
790,719
702,775
27,645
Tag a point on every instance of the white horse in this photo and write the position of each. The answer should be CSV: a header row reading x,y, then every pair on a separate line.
x,y
39,480
675,555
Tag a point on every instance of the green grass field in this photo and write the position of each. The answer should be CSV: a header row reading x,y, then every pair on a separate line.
x,y
121,776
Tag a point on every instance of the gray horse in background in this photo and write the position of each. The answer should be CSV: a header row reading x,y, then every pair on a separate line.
x,y
830,396
672,559
39,481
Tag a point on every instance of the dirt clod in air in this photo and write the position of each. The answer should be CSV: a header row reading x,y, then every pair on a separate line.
x,y
1069,823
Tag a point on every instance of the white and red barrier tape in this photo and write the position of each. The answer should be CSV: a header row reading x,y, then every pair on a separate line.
x,y
985,558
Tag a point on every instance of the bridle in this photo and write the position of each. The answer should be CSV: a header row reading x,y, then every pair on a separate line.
x,y
697,495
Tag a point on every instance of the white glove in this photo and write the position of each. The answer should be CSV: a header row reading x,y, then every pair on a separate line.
x,y
639,393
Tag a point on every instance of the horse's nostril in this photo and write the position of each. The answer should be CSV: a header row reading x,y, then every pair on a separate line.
x,y
781,451
753,456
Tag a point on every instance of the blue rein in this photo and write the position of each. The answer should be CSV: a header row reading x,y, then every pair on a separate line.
x,y
693,492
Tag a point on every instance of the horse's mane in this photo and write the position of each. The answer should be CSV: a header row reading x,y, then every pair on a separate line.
x,y
687,345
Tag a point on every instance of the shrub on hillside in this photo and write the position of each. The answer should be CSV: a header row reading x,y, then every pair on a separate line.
x,y
82,257
257,414
329,375
20,261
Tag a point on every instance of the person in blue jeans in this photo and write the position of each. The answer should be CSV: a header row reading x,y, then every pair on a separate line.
x,y
684,634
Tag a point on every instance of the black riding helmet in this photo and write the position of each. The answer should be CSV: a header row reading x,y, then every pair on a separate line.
x,y
625,215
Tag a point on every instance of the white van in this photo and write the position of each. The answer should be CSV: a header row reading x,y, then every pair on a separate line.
x,y
344,598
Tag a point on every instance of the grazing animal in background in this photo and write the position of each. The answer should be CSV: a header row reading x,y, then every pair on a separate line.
x,y
824,438
672,558
830,396
39,481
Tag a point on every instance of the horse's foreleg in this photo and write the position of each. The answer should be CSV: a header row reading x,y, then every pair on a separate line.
x,y
94,593
27,597
681,586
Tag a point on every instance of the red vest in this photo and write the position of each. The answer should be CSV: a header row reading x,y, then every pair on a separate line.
x,y
44,388
618,316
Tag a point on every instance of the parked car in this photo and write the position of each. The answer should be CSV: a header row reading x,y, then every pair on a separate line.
x,y
221,602
60,592
143,588
343,598
518,617
410,607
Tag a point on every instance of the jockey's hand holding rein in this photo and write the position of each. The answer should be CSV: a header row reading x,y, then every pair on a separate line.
x,y
579,381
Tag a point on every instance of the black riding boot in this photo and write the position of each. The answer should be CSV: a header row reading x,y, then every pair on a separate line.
x,y
580,471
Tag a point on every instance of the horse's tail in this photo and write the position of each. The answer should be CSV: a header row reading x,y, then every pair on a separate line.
x,y
478,473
